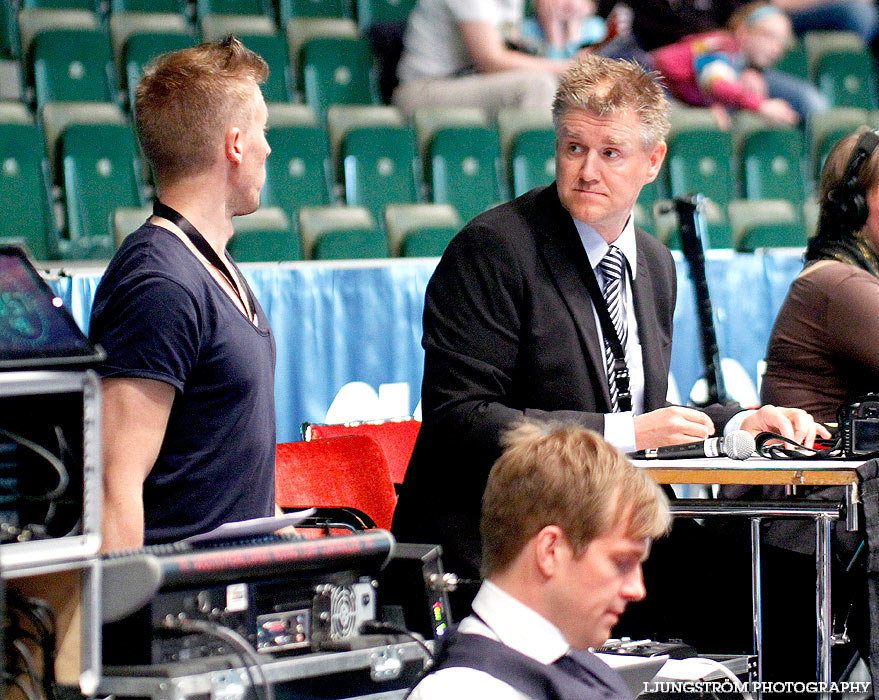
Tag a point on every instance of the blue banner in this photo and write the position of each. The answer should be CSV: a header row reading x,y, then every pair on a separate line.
x,y
361,322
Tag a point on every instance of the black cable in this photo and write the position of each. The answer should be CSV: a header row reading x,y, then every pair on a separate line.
x,y
231,637
796,451
54,462
375,627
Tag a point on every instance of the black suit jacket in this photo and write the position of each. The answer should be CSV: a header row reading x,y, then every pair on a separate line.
x,y
509,331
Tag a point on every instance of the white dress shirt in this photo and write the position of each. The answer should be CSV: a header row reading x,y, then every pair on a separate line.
x,y
505,620
619,428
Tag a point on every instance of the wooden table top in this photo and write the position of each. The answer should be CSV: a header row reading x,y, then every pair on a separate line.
x,y
754,471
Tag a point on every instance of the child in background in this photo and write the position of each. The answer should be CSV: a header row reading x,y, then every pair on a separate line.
x,y
730,69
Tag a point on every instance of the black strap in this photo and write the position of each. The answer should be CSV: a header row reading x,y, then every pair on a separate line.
x,y
620,370
203,247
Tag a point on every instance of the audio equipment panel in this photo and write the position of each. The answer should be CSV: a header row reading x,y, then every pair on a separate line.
x,y
283,596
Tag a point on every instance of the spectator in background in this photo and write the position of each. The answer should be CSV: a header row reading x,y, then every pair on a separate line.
x,y
728,69
859,16
563,27
472,54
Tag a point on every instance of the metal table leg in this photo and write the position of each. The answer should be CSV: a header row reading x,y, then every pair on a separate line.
x,y
757,602
822,599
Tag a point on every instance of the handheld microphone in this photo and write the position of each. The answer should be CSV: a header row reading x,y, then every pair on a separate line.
x,y
739,444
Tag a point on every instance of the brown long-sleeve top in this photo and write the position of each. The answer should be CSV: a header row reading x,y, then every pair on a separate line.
x,y
824,347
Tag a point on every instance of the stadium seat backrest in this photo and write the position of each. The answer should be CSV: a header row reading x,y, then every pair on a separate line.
x,y
101,172
465,168
72,65
380,167
24,206
336,472
395,437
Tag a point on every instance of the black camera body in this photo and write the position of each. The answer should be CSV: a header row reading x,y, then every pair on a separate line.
x,y
859,426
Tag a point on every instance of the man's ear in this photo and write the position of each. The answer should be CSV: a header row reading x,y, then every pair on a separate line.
x,y
550,547
657,155
232,145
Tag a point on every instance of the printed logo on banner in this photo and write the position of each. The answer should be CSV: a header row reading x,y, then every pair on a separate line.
x,y
357,401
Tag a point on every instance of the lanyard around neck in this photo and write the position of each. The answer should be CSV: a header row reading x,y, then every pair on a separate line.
x,y
621,371
203,247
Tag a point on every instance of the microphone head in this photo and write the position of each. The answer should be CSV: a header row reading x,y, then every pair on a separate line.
x,y
739,444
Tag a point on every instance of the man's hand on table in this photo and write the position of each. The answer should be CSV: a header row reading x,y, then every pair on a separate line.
x,y
792,423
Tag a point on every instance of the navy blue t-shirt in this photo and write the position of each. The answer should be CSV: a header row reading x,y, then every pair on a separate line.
x,y
160,315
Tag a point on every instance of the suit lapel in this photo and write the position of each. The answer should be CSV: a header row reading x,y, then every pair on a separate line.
x,y
560,246
648,334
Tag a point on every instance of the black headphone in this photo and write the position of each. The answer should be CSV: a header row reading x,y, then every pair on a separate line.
x,y
845,207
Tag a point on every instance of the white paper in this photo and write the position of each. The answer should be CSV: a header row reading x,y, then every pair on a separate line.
x,y
251,528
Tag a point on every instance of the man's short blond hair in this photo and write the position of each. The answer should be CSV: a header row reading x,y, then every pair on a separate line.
x,y
187,99
563,474
606,86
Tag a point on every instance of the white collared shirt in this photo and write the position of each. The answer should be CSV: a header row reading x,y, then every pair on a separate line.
x,y
508,621
619,428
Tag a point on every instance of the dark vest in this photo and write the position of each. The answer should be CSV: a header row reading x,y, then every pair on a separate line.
x,y
588,678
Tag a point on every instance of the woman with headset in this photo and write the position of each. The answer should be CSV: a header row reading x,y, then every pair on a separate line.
x,y
824,351
823,348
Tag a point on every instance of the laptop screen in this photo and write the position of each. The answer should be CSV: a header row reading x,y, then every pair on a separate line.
x,y
36,331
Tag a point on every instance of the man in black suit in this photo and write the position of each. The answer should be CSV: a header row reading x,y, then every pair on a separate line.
x,y
510,329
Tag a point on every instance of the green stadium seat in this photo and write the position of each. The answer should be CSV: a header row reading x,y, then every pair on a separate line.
x,y
89,5
715,218
266,235
338,70
33,22
819,43
300,29
291,9
370,12
848,79
10,47
770,159
232,7
340,233
769,223
699,157
533,160
124,25
341,119
421,230
127,220
794,62
57,116
25,214
428,120
380,167
101,171
298,171
159,6
827,128
465,169
527,148
71,65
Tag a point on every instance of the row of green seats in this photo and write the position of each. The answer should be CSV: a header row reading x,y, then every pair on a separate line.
x,y
69,57
744,225
328,233
366,12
